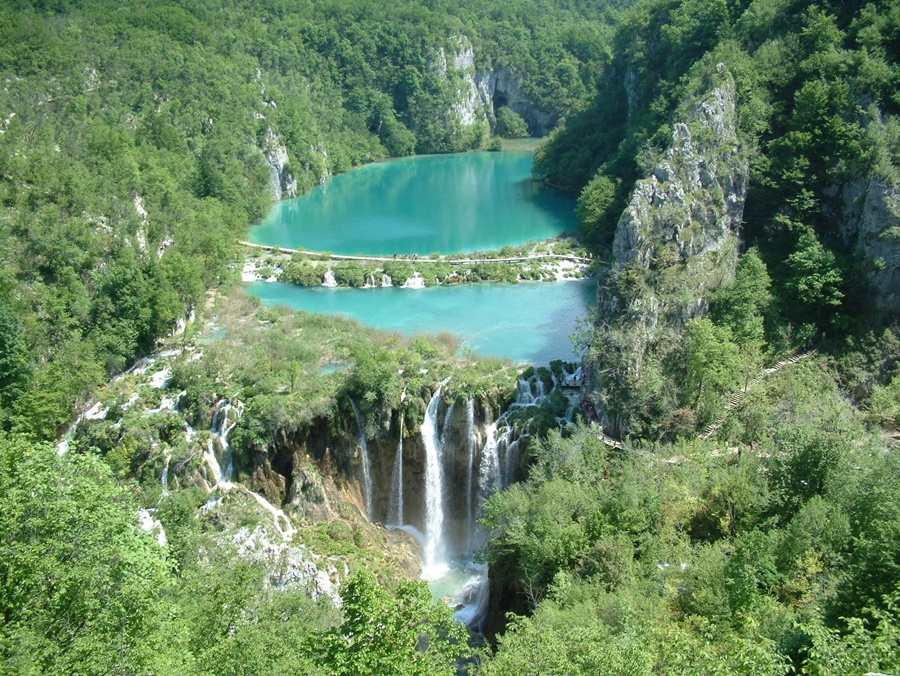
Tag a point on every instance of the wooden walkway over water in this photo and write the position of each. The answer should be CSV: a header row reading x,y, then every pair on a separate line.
x,y
418,259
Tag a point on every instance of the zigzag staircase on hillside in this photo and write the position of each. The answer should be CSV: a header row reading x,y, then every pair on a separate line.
x,y
738,397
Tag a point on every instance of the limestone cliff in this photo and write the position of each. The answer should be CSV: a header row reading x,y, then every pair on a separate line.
x,y
675,241
481,92
871,227
283,183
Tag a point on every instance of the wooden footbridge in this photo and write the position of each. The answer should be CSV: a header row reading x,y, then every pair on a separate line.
x,y
413,258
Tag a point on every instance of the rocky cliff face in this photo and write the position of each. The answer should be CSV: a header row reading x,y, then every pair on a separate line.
x,y
282,180
871,228
481,93
675,241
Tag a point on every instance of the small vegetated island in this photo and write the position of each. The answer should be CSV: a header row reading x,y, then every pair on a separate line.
x,y
194,479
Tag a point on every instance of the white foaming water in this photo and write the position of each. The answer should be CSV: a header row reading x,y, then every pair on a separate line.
x,y
365,463
489,471
395,509
414,282
434,565
329,280
470,466
221,427
164,479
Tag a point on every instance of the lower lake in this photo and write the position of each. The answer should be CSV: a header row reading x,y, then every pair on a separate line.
x,y
527,322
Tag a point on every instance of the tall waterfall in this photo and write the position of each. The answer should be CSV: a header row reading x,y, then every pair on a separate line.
x,y
470,465
434,564
366,464
395,509
489,471
164,479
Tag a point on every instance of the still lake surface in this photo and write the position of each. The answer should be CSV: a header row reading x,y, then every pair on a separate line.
x,y
422,205
445,204
527,322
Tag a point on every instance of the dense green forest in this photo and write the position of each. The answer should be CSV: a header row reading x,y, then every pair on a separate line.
x,y
135,148
133,136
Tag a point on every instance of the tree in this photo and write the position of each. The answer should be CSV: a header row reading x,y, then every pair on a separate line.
x,y
81,581
408,634
713,365
598,209
510,124
13,360
815,278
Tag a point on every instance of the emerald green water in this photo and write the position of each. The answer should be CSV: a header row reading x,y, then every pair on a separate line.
x,y
426,204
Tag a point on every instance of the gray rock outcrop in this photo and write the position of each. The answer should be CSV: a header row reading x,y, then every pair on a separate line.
x,y
282,180
481,94
871,227
676,240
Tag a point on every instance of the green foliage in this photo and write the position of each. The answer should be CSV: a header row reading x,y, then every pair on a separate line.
x,y
713,365
884,403
598,209
81,581
815,278
510,124
405,634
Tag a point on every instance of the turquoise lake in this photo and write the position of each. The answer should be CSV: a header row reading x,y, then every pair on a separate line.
x,y
527,322
421,205
445,204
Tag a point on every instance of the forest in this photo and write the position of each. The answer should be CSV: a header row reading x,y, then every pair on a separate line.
x,y
749,520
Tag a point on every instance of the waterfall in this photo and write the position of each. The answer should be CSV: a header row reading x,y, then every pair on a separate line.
x,y
329,280
210,457
220,428
386,281
164,480
414,282
509,459
366,466
434,565
489,471
448,417
395,510
470,465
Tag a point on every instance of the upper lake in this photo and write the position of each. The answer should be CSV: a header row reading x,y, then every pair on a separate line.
x,y
422,205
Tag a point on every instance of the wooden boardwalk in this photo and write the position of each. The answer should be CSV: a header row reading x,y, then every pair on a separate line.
x,y
417,260
732,404
738,396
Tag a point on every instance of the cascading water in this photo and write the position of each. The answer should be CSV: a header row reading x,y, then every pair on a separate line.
x,y
489,471
365,462
164,479
470,466
221,426
434,565
395,508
